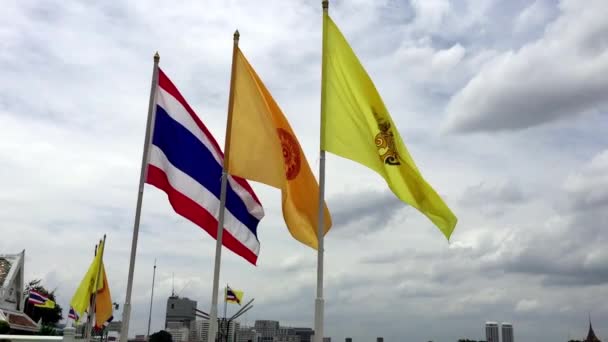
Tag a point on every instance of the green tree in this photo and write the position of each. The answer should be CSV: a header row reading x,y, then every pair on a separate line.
x,y
4,327
47,330
49,316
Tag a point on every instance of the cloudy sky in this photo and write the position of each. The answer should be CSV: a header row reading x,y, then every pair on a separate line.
x,y
503,105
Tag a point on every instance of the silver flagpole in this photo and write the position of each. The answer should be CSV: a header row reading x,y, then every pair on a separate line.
x,y
319,302
220,221
126,311
151,301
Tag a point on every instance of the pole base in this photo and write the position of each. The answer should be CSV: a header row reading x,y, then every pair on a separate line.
x,y
319,308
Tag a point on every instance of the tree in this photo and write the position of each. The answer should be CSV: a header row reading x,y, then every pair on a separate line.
x,y
4,327
160,336
47,330
49,316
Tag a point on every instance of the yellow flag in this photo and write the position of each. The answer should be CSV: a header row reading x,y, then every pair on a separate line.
x,y
263,148
234,296
81,299
48,304
356,125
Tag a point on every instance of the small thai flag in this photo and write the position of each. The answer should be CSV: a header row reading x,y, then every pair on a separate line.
x,y
185,161
36,297
73,315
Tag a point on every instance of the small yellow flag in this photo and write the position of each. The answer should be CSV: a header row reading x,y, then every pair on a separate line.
x,y
356,125
263,148
234,296
81,299
48,304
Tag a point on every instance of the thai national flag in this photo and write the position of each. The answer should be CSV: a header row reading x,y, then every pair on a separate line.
x,y
186,162
73,315
36,297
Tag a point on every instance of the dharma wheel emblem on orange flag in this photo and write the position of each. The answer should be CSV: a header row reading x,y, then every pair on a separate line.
x,y
291,154
385,141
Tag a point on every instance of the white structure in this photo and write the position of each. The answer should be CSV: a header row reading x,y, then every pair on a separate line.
x,y
68,336
507,332
11,293
492,332
199,331
179,334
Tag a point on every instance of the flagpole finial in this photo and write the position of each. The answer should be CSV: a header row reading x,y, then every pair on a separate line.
x,y
325,4
237,35
156,57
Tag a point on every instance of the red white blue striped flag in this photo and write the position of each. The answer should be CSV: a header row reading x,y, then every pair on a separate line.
x,y
36,297
185,161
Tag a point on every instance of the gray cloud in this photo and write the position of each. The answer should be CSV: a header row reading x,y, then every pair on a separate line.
x,y
73,100
367,211
557,76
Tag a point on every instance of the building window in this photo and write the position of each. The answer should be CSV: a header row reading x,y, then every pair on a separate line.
x,y
172,306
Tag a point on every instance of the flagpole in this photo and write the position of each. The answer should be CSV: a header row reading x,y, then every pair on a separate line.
x,y
151,300
225,313
220,221
126,311
319,302
85,332
94,299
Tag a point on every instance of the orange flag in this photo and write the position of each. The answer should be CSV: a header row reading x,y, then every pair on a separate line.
x,y
263,148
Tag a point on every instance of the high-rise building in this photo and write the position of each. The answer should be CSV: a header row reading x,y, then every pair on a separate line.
x,y
199,331
180,310
507,332
326,339
178,333
379,339
304,333
267,329
248,334
286,338
492,332
348,339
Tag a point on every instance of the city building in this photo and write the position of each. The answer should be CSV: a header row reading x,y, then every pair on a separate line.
x,y
304,333
286,338
326,339
267,329
492,332
178,333
248,334
11,293
348,339
286,334
180,310
199,331
507,332
379,339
